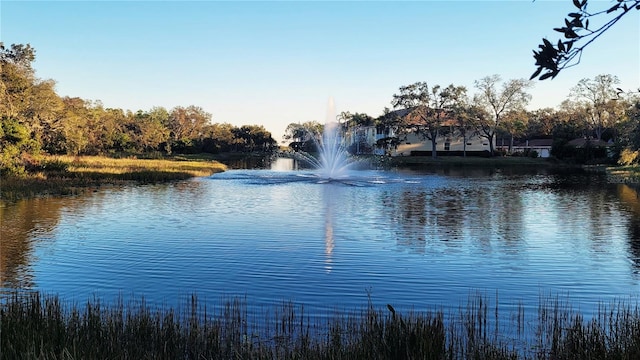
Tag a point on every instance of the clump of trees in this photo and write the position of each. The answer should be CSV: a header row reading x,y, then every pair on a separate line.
x,y
36,120
606,121
304,136
427,108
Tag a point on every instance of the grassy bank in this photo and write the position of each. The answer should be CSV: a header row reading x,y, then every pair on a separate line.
x,y
36,327
63,175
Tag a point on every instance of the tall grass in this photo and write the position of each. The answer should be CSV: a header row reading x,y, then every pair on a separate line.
x,y
42,327
63,175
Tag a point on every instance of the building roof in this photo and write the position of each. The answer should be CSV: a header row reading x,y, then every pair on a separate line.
x,y
540,142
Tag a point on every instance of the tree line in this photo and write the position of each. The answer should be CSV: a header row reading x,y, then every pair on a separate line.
x,y
595,110
36,120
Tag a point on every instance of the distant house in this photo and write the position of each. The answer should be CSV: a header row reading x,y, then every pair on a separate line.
x,y
604,146
361,139
541,146
386,140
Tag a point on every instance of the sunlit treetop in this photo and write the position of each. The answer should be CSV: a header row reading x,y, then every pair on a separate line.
x,y
18,54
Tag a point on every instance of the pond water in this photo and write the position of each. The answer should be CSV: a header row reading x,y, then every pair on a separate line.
x,y
412,238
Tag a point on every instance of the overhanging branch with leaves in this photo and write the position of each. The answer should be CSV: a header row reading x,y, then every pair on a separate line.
x,y
553,57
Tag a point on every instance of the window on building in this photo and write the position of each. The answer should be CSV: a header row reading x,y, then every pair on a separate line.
x,y
447,146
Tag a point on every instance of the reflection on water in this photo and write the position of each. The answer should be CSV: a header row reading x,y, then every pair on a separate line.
x,y
631,199
25,225
411,238
248,162
328,200
262,162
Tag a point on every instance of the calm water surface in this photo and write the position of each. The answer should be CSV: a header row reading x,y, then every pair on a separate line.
x,y
415,239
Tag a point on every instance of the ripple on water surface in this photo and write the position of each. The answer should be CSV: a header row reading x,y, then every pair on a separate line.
x,y
412,239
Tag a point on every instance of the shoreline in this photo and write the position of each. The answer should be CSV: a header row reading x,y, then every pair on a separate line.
x,y
72,175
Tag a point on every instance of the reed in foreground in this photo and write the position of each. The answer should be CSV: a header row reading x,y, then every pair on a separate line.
x,y
42,327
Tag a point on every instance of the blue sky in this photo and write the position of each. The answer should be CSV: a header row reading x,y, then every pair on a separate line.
x,y
274,63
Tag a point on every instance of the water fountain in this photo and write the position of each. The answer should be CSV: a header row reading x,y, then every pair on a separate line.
x,y
333,160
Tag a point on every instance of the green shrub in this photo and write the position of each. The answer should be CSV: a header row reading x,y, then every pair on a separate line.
x,y
10,161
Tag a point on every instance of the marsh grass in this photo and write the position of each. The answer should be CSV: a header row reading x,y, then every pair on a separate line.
x,y
65,175
34,326
93,167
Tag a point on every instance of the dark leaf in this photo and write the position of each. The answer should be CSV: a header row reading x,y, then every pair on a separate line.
x,y
570,34
566,22
569,45
613,8
550,52
577,4
547,43
560,45
625,7
535,74
547,75
637,7
577,23
575,15
586,26
584,2
562,30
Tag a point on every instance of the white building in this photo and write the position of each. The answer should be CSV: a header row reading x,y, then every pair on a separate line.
x,y
416,144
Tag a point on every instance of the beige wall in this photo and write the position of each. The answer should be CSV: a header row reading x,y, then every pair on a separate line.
x,y
415,142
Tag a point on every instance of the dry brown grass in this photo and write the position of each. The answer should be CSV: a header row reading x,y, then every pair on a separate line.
x,y
63,175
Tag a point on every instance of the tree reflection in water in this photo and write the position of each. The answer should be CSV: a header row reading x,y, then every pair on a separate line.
x,y
23,224
631,198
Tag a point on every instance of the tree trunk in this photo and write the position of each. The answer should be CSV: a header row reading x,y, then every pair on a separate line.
x,y
434,152
464,145
599,132
491,150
